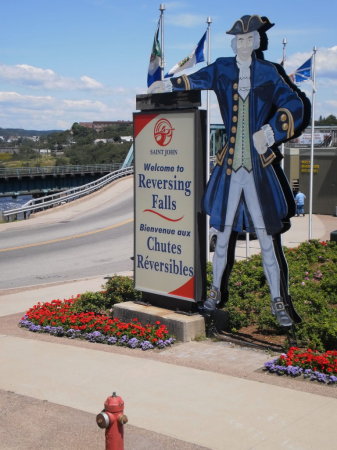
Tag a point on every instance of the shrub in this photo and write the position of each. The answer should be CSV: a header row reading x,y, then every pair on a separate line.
x,y
96,302
312,285
120,289
116,290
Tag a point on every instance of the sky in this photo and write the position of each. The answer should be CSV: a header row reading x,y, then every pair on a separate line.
x,y
66,61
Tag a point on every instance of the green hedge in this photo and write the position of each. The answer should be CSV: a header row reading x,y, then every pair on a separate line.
x,y
312,285
116,290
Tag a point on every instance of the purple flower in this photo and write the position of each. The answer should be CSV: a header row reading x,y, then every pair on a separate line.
x,y
296,371
35,328
332,379
57,331
133,342
123,340
160,344
25,323
95,336
72,334
146,345
169,341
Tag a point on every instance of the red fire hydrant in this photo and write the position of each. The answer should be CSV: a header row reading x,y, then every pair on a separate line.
x,y
112,418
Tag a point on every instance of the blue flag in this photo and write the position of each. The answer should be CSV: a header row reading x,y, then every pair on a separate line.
x,y
195,57
303,73
154,71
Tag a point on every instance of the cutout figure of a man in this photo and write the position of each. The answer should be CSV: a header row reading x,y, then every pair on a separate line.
x,y
260,110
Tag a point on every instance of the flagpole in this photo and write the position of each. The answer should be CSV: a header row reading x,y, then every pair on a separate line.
x,y
162,59
208,61
312,138
284,43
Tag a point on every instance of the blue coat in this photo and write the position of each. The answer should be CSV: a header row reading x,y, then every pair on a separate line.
x,y
273,102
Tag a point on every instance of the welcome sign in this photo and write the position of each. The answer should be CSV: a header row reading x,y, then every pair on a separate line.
x,y
166,204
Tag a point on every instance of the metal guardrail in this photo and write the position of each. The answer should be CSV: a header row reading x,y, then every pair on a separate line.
x,y
58,170
49,201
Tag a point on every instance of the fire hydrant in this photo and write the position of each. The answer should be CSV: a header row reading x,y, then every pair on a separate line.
x,y
112,418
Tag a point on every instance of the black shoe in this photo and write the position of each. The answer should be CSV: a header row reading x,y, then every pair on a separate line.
x,y
280,313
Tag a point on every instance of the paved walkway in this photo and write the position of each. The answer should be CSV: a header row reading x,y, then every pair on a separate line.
x,y
193,396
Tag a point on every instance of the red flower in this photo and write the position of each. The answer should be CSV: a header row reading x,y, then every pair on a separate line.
x,y
59,312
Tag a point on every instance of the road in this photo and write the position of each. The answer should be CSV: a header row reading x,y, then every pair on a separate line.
x,y
94,237
89,237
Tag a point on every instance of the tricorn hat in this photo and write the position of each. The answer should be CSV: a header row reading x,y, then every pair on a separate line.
x,y
248,24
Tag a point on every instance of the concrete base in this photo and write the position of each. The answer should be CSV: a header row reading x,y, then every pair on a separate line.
x,y
183,327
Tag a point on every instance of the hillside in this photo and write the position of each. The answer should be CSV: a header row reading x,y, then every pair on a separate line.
x,y
6,132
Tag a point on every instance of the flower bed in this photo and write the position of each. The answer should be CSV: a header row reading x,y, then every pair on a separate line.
x,y
59,319
310,364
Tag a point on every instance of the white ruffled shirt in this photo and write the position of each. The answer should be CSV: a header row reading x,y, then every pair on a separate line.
x,y
244,77
244,89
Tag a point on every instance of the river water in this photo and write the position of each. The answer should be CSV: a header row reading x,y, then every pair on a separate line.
x,y
11,203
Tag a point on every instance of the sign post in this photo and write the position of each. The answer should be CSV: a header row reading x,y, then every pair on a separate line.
x,y
170,176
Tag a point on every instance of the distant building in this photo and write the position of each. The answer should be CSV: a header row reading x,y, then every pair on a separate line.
x,y
297,166
103,141
324,136
100,125
32,138
127,138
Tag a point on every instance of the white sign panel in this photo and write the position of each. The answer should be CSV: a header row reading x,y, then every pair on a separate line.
x,y
165,203
319,138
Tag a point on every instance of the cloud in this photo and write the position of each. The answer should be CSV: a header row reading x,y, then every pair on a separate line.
x,y
175,5
90,83
332,103
326,62
295,31
36,77
8,99
48,112
185,20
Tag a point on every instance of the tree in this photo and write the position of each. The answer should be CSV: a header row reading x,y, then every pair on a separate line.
x,y
82,135
330,120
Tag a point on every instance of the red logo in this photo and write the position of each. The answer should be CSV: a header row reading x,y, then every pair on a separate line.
x,y
163,132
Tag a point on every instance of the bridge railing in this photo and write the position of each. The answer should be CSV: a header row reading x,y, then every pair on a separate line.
x,y
49,201
58,170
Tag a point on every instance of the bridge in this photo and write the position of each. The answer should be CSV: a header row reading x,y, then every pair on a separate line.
x,y
62,197
38,181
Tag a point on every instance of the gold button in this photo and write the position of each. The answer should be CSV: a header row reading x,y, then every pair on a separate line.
x,y
235,86
235,108
236,97
235,119
230,161
283,117
232,139
231,151
179,81
285,126
233,129
229,171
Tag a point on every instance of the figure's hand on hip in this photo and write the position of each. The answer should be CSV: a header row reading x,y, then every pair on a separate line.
x,y
260,142
159,87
